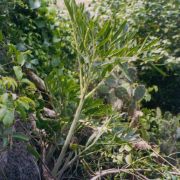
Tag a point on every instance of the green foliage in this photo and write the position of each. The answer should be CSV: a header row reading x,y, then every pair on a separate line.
x,y
90,65
139,92
155,20
158,127
94,44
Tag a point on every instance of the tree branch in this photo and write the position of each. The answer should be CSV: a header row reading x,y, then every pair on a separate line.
x,y
49,113
115,171
36,80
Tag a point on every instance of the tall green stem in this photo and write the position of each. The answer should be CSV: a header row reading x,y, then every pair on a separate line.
x,y
69,136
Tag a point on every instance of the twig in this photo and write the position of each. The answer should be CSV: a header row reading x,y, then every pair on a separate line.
x,y
175,173
63,169
49,113
115,171
45,170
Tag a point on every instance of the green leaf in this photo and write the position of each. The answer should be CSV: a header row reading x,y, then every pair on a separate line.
x,y
4,98
21,137
128,159
74,146
139,92
9,82
18,72
1,36
127,148
33,151
104,28
8,118
105,32
119,31
111,82
20,59
5,141
132,72
35,4
23,104
103,90
158,113
31,86
2,112
148,46
124,70
21,111
121,93
158,70
25,101
119,158
69,8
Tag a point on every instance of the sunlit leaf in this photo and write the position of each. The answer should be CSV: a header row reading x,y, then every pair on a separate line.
x,y
20,59
128,159
18,72
9,82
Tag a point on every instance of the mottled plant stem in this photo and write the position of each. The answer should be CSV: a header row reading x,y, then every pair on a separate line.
x,y
68,138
